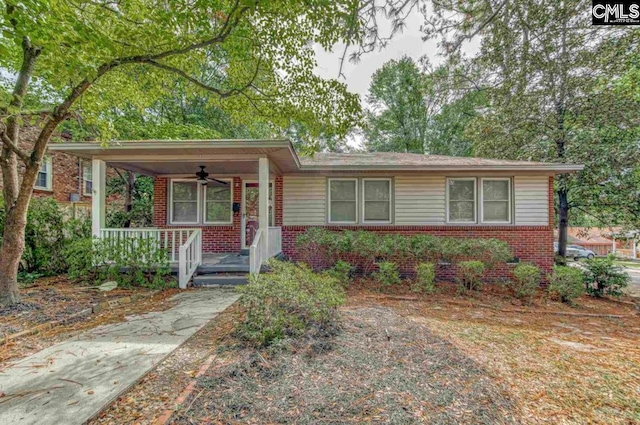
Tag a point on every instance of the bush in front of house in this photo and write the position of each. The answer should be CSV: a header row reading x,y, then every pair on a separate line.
x,y
387,274
48,233
470,275
603,277
367,248
342,272
130,262
566,283
526,279
289,302
425,278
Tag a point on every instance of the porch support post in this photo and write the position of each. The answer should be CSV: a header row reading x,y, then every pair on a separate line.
x,y
263,196
634,244
98,201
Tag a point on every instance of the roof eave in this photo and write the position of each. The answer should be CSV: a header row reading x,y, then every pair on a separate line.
x,y
555,168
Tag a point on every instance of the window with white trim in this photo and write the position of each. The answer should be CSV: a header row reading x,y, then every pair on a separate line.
x,y
461,200
496,200
343,200
218,204
87,178
184,202
376,200
44,179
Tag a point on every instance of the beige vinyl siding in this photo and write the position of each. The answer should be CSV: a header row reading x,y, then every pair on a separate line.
x,y
304,200
531,195
419,200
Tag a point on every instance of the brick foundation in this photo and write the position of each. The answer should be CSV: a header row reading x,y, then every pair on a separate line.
x,y
528,243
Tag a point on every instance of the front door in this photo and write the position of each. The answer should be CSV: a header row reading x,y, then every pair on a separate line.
x,y
251,211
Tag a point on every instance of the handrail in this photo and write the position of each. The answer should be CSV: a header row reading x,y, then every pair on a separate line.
x,y
190,257
255,253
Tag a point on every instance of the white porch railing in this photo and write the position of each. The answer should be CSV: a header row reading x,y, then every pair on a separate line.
x,y
257,254
183,246
275,241
189,258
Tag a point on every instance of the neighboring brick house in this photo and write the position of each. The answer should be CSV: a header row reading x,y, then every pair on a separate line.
x,y
380,192
63,177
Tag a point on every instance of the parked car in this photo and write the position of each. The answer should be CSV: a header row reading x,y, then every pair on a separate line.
x,y
576,251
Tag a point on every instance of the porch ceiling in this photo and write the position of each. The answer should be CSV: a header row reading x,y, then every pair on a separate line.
x,y
221,157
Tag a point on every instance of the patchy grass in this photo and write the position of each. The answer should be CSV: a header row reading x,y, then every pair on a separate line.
x,y
381,368
558,368
629,264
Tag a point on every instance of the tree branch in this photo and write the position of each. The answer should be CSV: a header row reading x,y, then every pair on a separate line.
x,y
6,141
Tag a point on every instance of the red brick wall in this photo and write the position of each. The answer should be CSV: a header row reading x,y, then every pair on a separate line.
x,y
66,170
219,238
528,243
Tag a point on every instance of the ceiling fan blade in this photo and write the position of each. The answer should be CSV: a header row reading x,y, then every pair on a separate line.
x,y
220,182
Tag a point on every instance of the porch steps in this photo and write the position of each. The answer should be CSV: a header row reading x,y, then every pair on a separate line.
x,y
213,280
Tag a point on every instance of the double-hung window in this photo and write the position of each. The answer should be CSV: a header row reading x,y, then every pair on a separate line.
x,y
87,179
44,180
184,202
343,200
218,204
485,200
461,195
496,200
376,202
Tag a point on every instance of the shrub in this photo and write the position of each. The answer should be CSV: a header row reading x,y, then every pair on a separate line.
x,y
470,274
341,271
404,250
425,278
47,234
130,262
526,278
603,277
387,273
289,302
566,283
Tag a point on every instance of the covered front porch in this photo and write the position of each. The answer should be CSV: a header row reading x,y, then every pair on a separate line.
x,y
216,205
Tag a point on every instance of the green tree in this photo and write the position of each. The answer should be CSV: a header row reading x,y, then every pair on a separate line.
x,y
397,119
256,58
559,90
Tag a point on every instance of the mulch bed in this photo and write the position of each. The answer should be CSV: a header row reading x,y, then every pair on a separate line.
x,y
380,368
59,302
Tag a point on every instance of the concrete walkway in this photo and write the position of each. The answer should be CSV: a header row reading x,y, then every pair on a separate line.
x,y
72,381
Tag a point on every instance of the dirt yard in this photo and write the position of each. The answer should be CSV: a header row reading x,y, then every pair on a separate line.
x,y
402,358
55,309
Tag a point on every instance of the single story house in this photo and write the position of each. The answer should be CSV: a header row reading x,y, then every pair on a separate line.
x,y
226,196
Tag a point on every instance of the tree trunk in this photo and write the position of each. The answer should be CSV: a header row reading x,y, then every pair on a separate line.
x,y
10,254
563,220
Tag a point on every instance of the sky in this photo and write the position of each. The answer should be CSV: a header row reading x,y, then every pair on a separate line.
x,y
357,76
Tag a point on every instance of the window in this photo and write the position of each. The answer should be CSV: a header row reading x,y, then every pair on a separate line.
x,y
461,204
343,200
87,179
184,202
496,200
376,200
44,179
218,204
